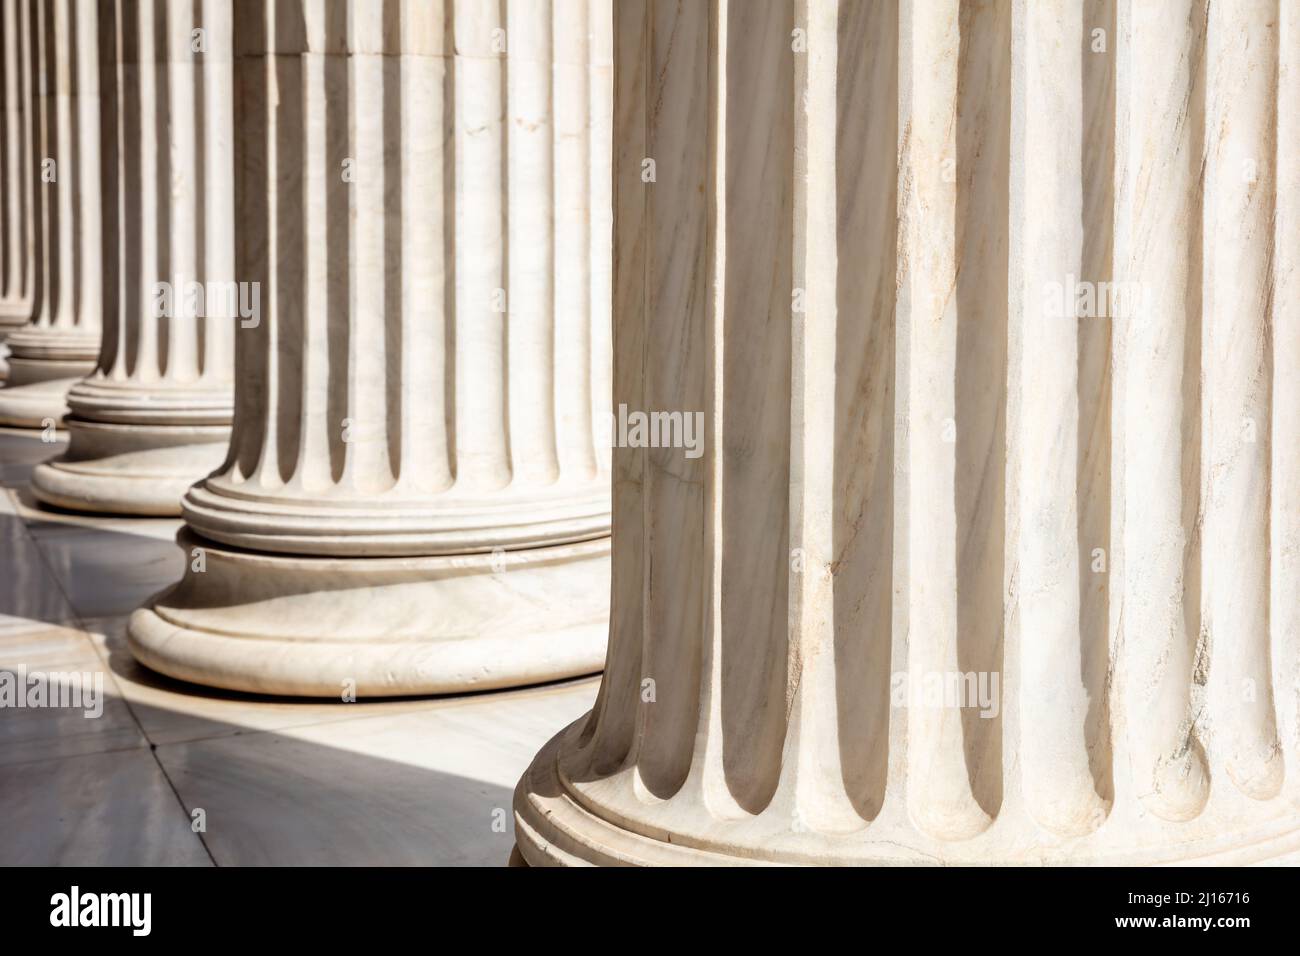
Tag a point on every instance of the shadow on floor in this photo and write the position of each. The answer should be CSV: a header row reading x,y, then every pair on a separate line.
x,y
404,783
292,783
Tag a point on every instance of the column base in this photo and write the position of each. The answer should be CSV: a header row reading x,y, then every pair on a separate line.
x,y
34,405
129,469
566,815
554,829
44,364
244,516
315,627
43,354
13,317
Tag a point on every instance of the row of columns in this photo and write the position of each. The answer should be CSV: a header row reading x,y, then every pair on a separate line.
x,y
17,223
154,415
385,222
53,208
962,576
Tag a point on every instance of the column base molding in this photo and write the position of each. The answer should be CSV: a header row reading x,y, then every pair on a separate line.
x,y
307,626
244,516
135,449
30,404
56,347
612,821
129,469
12,319
163,404
44,364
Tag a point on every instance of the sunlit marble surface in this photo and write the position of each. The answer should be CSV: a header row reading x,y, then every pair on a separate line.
x,y
387,782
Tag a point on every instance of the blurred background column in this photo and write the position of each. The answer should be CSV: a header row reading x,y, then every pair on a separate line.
x,y
154,416
17,185
60,344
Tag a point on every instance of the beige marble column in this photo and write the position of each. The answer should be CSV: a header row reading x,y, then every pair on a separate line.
x,y
154,417
60,344
415,498
939,591
17,192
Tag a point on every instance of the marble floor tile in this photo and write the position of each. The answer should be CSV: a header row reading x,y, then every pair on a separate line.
x,y
22,449
30,599
35,735
59,661
104,809
47,647
426,788
108,571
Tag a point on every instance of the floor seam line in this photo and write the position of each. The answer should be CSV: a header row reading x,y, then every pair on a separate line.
x,y
153,752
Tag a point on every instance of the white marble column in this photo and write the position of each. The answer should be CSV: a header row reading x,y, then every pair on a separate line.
x,y
415,498
17,224
937,592
154,417
60,344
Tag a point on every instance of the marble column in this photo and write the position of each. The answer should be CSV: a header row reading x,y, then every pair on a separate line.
x,y
59,345
17,225
990,556
154,417
416,496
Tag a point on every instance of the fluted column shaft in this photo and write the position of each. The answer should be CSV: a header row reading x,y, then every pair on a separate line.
x,y
423,379
62,339
17,222
421,190
154,415
933,593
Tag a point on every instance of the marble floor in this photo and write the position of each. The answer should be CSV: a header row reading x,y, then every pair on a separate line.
x,y
396,782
